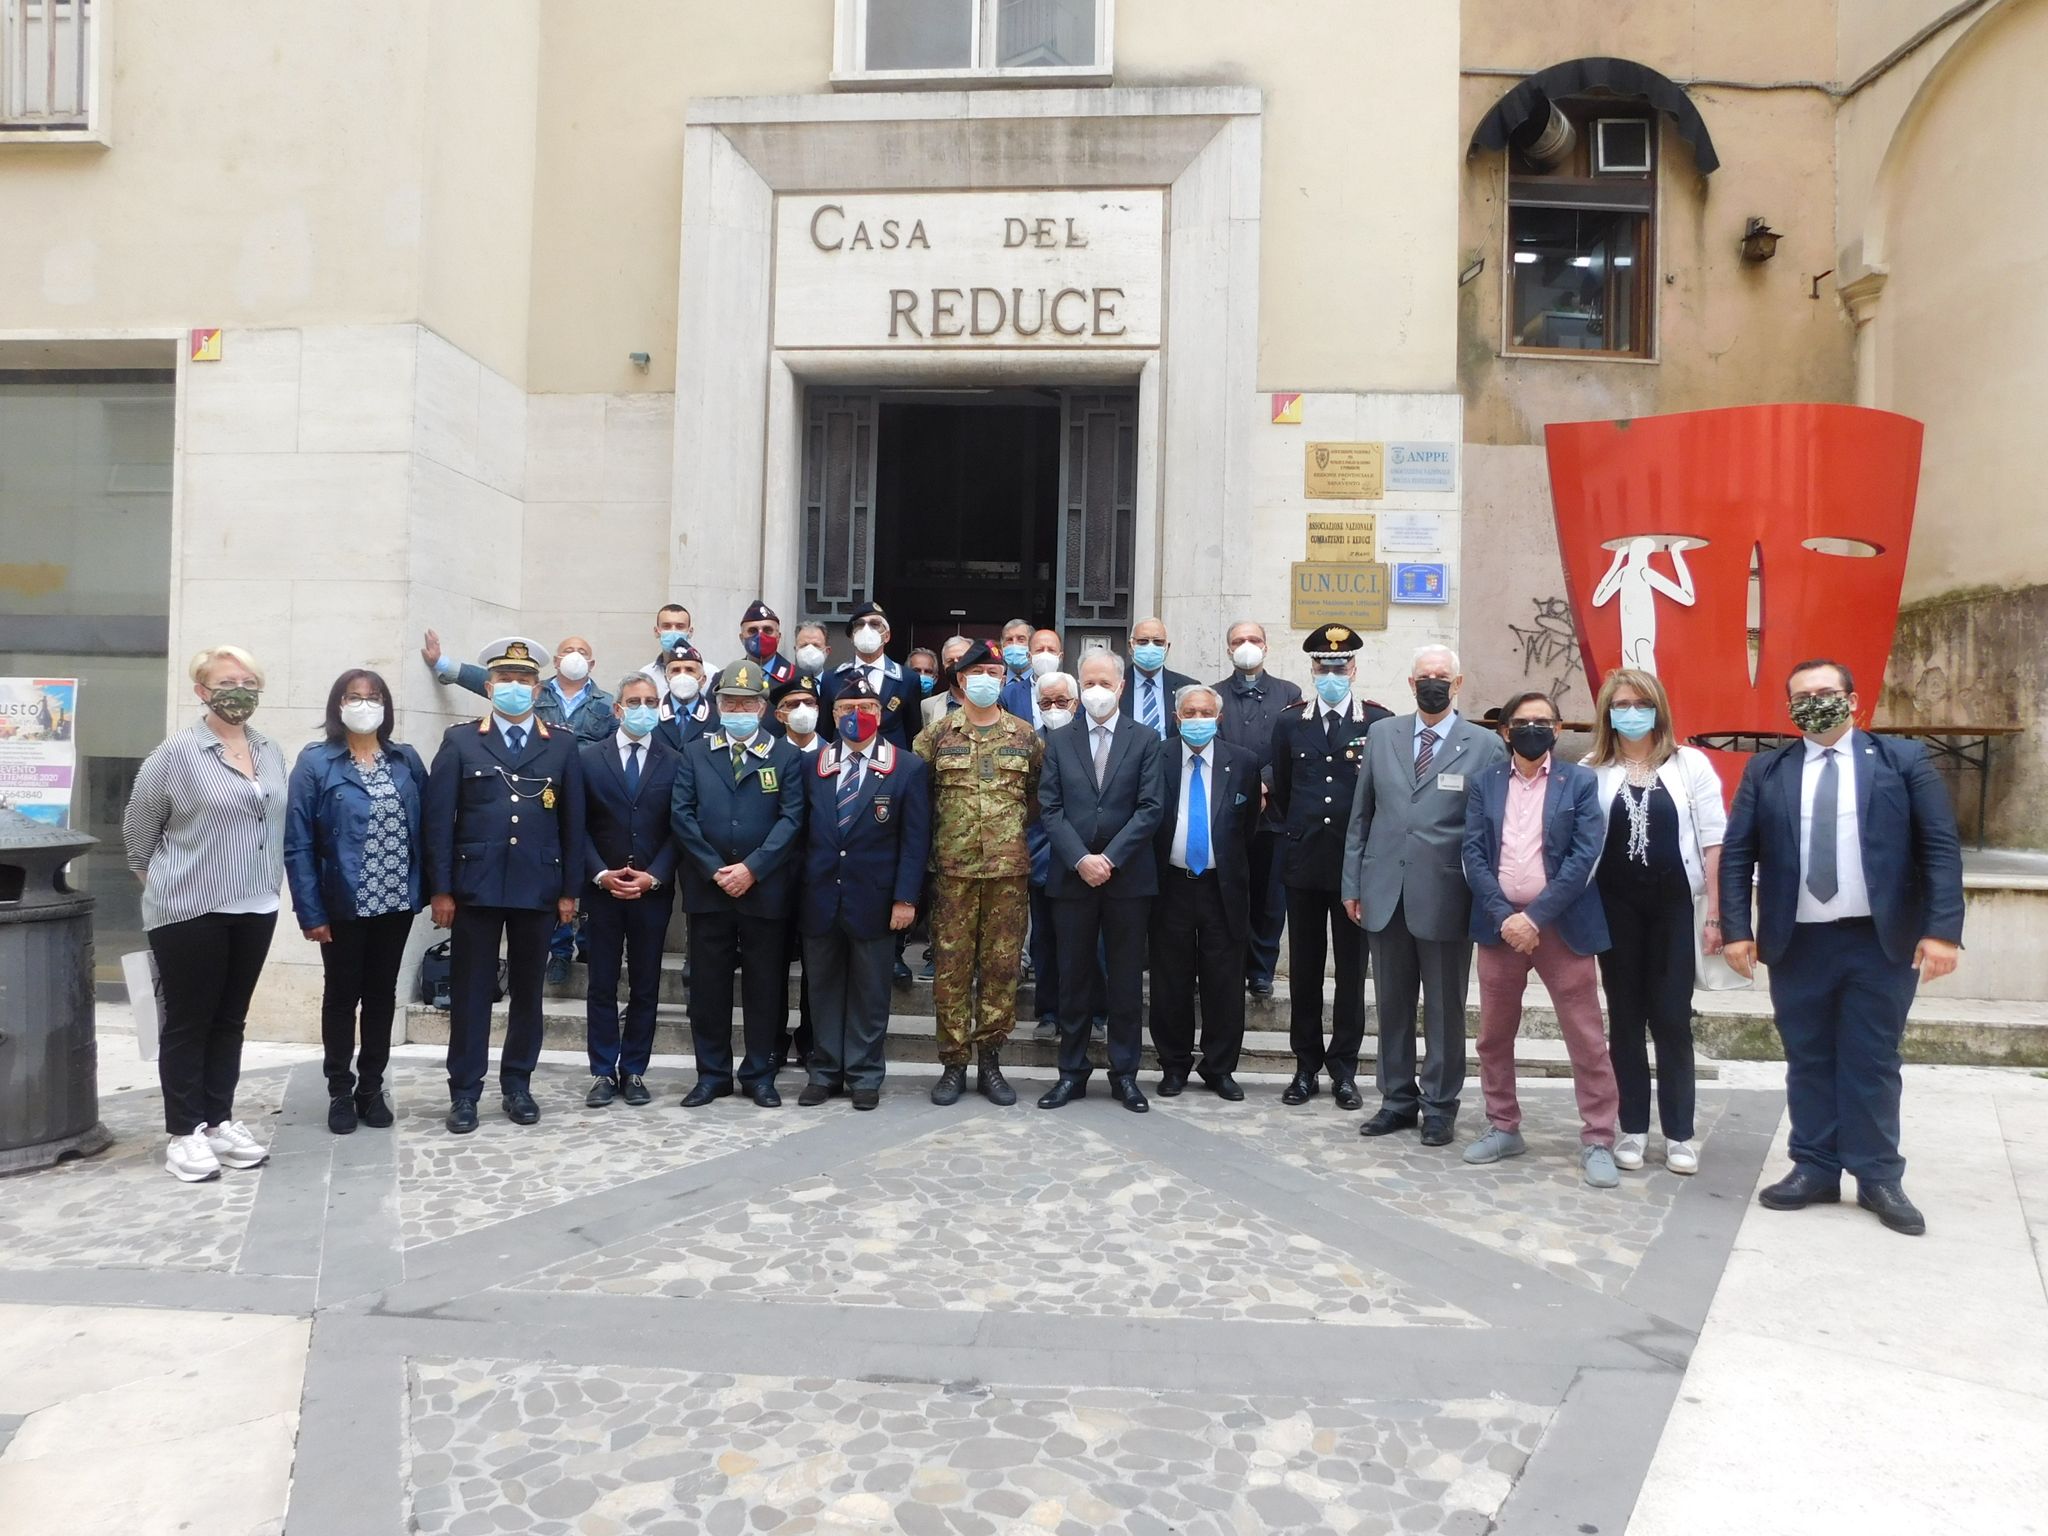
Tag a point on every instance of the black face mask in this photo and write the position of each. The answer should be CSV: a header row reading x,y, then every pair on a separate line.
x,y
1532,738
1433,694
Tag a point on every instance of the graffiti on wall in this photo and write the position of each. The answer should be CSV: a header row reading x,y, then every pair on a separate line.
x,y
1549,645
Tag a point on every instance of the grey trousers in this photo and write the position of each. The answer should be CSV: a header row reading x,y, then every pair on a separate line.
x,y
1402,966
849,980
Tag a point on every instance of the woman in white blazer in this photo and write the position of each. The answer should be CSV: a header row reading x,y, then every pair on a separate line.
x,y
1659,880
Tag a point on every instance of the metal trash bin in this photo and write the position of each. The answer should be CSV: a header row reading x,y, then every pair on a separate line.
x,y
49,1058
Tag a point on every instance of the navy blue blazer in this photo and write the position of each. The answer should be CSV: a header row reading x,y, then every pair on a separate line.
x,y
491,837
1231,775
1574,832
1116,820
901,702
1171,683
1016,696
623,831
1912,859
756,820
679,730
852,878
327,821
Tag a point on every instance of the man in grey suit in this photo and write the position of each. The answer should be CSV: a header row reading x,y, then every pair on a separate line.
x,y
1405,885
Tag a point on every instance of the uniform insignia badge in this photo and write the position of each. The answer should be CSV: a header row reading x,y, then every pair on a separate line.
x,y
881,808
767,777
547,796
895,704
1339,634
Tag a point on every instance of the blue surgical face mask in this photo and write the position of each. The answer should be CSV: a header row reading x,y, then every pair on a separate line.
x,y
674,639
639,719
1198,731
926,682
1333,687
512,698
1634,721
982,690
734,723
1016,657
1149,654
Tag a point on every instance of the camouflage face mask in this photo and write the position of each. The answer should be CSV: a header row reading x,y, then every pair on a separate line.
x,y
233,705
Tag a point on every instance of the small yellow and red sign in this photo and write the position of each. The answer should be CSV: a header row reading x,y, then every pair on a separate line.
x,y
206,344
1287,409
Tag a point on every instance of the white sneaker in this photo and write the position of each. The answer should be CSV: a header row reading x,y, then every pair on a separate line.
x,y
1681,1157
234,1146
1628,1151
190,1158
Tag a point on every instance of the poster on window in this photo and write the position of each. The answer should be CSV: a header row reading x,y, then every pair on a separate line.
x,y
38,746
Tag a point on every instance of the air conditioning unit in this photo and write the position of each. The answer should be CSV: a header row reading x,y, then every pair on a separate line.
x,y
1621,146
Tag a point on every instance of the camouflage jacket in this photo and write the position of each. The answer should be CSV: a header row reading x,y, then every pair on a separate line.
x,y
984,792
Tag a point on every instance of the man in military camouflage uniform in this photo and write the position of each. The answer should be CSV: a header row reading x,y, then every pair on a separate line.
x,y
984,771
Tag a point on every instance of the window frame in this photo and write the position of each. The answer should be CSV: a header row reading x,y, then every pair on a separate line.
x,y
849,55
98,87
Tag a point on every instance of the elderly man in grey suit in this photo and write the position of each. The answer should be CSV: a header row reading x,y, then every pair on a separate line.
x,y
1405,885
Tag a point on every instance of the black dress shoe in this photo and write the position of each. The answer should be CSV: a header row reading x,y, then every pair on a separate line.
x,y
462,1117
866,1098
1125,1091
951,1084
1224,1086
519,1107
1436,1130
602,1091
1386,1121
1345,1091
1301,1090
1260,989
815,1094
373,1109
901,976
1063,1092
1171,1083
1887,1201
633,1090
558,971
1802,1187
763,1094
705,1092
341,1114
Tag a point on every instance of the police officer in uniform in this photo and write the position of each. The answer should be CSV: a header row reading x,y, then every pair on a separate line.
x,y
897,690
686,711
761,639
1315,757
503,824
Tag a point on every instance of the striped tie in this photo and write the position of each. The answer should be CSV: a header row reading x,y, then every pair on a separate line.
x,y
849,792
1148,698
1425,754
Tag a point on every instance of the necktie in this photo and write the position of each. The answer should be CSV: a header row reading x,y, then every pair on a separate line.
x,y
739,757
1148,697
1101,752
849,791
1425,754
1330,718
1821,840
633,771
1198,819
515,738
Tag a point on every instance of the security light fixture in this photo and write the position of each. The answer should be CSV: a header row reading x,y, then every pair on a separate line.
x,y
1759,241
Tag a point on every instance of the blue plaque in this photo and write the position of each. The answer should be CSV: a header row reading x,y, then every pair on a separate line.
x,y
1421,584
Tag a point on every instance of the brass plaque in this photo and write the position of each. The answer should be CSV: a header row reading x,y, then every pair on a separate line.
x,y
1328,592
1345,471
1346,537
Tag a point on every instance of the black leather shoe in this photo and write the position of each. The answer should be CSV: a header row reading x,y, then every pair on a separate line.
x,y
866,1098
633,1090
602,1091
1802,1187
1125,1091
815,1094
1224,1086
1345,1091
1386,1121
1063,1092
763,1094
1436,1130
519,1107
1887,1201
462,1117
373,1109
901,976
341,1114
705,1092
989,1081
1262,990
1171,1083
1301,1090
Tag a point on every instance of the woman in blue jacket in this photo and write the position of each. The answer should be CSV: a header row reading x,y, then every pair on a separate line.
x,y
352,855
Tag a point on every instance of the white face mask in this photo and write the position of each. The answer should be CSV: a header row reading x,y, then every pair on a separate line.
x,y
362,716
809,658
1248,656
683,687
1100,702
867,640
803,719
1043,662
574,665
1055,718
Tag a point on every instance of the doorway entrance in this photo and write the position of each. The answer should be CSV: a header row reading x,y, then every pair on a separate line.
x,y
957,509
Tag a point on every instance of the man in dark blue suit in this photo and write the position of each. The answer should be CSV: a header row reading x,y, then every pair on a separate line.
x,y
629,856
870,833
1148,697
1201,919
738,814
503,828
1101,796
1859,898
896,690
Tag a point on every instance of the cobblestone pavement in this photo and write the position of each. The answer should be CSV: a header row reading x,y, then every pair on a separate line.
x,y
1212,1318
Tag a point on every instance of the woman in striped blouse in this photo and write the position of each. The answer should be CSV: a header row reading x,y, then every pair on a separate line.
x,y
205,834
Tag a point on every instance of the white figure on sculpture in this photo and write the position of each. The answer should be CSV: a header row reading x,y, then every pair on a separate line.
x,y
1638,583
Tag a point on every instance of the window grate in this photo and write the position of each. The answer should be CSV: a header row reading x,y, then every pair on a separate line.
x,y
46,51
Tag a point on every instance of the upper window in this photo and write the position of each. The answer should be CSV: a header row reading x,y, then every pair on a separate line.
x,y
47,52
1581,235
950,42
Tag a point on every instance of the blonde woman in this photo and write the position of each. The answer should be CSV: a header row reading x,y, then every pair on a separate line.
x,y
204,831
1658,878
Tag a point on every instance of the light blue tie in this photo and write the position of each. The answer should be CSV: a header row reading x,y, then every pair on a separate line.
x,y
1148,695
1198,819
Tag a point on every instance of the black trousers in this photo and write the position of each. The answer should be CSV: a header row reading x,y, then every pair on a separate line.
x,y
759,946
632,932
851,1023
1120,925
1316,924
208,966
1189,923
473,977
1438,971
1045,965
1648,973
360,965
1269,906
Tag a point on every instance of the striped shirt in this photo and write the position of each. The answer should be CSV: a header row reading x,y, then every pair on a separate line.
x,y
205,838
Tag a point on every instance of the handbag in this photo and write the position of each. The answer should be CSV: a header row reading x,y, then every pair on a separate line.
x,y
145,999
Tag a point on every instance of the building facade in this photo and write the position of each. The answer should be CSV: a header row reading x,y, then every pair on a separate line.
x,y
534,316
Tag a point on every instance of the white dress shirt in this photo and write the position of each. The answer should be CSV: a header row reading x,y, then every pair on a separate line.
x,y
1852,895
626,741
1179,856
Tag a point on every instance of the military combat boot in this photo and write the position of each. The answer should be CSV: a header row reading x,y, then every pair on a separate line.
x,y
988,1077
951,1084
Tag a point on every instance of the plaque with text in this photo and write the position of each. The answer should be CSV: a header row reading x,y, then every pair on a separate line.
x,y
1342,536
1332,593
1345,471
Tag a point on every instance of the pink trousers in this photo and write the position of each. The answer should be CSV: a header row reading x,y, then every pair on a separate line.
x,y
1573,982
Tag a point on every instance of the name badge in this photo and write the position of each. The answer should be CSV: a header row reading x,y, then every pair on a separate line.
x,y
1454,782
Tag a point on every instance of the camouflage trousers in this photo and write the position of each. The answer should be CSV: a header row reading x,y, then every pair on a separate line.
x,y
977,933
